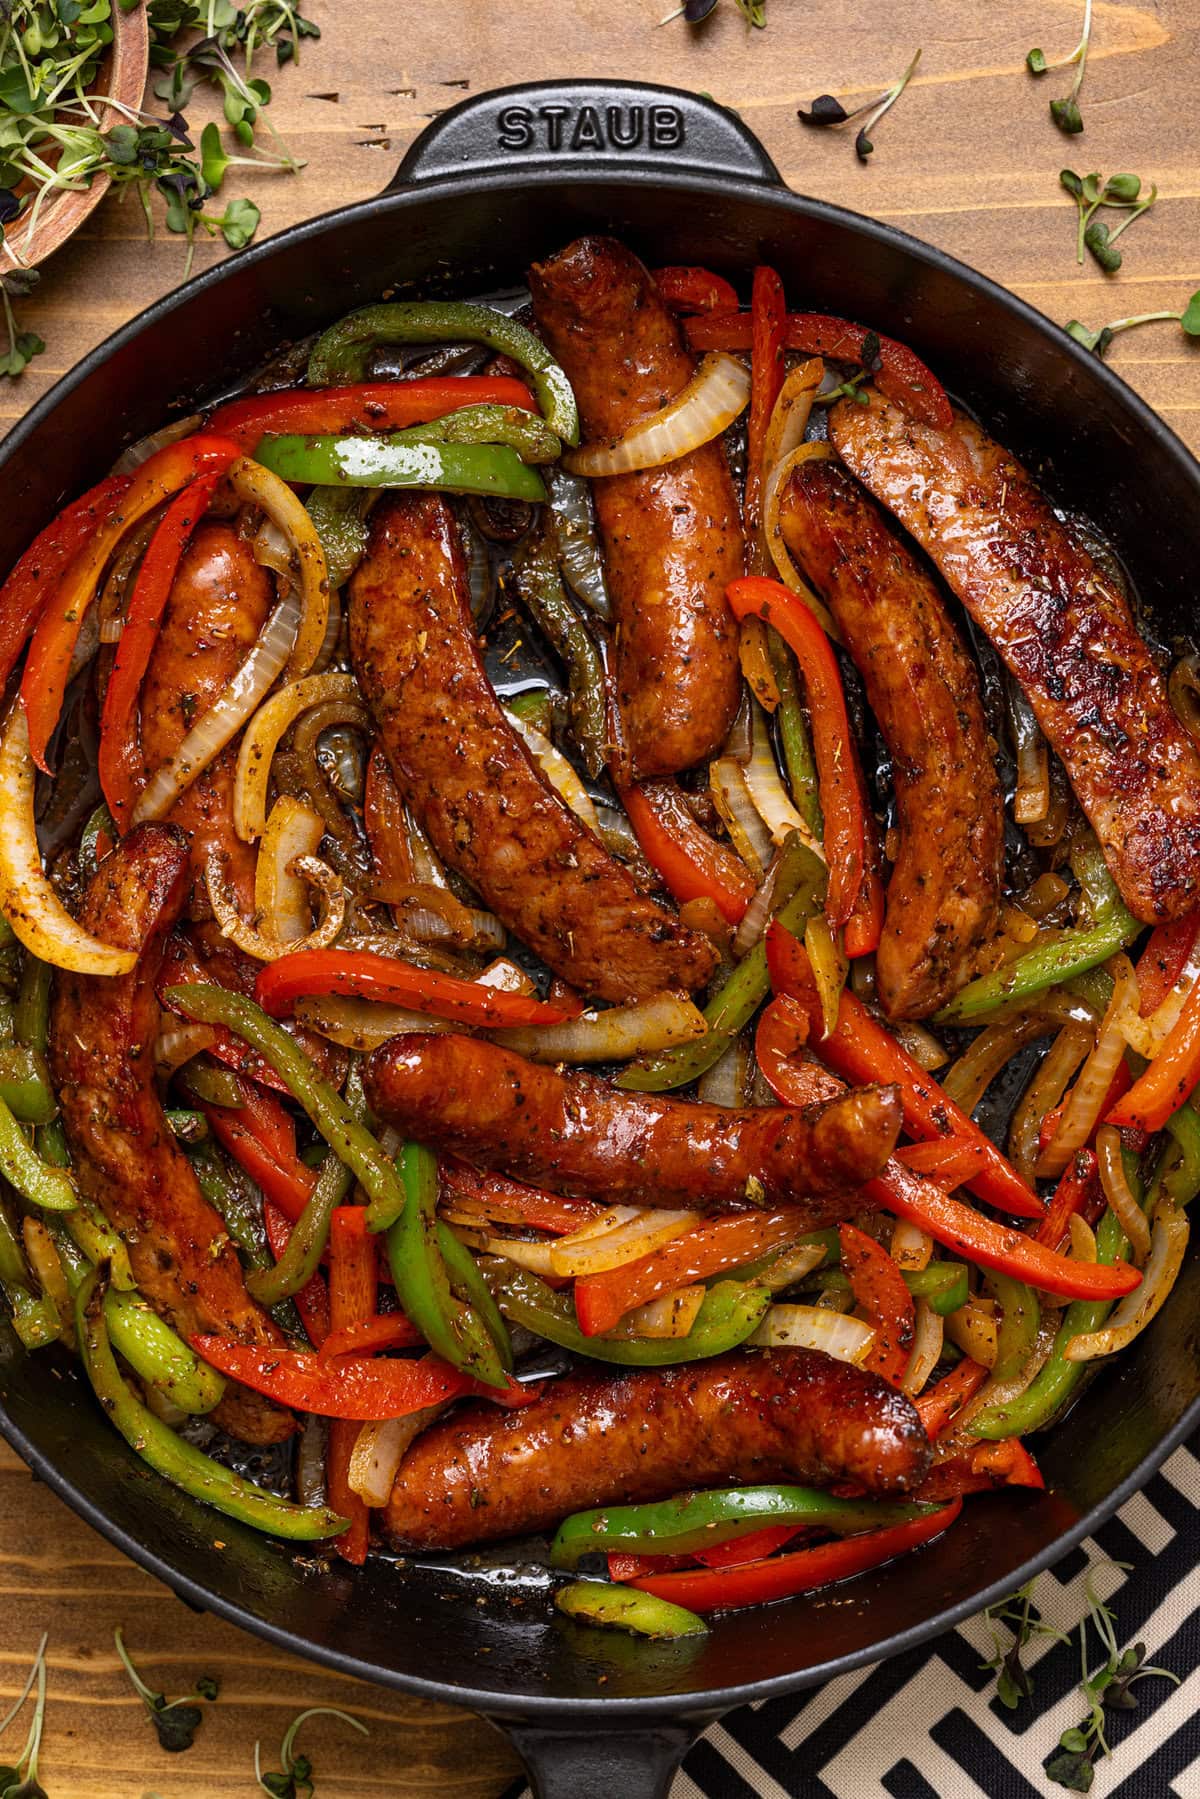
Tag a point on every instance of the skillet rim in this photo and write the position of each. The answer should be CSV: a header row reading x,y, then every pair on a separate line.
x,y
757,190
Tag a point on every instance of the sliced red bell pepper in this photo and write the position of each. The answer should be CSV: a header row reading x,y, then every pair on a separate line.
x,y
505,1201
383,820
1079,1180
360,974
269,1120
863,1051
602,1300
864,927
695,290
369,406
902,376
1164,959
352,1292
312,1301
842,792
1170,1079
623,1565
768,327
922,1202
937,1406
355,1387
879,1290
289,1186
386,1330
781,1576
48,664
24,594
692,864
122,774
754,1548
945,1159
980,1470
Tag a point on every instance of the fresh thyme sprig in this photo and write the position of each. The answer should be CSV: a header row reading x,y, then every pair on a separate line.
x,y
826,110
1107,1688
1090,193
1066,113
1099,340
176,1723
19,1780
293,1780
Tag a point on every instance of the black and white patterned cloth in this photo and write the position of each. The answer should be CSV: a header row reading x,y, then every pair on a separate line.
x,y
928,1725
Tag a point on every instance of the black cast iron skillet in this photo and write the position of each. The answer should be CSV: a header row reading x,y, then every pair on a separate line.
x,y
492,184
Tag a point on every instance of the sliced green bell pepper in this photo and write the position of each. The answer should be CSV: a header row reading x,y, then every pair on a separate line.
x,y
541,591
393,460
731,1312
626,1608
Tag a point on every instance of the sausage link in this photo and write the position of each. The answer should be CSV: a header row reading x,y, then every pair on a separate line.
x,y
1063,627
595,1439
672,536
218,605
102,1034
481,798
577,1135
944,894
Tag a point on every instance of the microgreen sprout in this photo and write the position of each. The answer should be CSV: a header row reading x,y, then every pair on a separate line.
x,y
19,1780
293,1780
1090,193
1066,113
176,1723
1024,1622
1099,340
852,388
694,12
827,110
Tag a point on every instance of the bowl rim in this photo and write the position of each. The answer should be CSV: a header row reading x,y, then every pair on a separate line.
x,y
587,1710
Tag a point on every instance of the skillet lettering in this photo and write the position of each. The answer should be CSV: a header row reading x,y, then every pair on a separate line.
x,y
666,128
554,116
587,134
516,128
624,129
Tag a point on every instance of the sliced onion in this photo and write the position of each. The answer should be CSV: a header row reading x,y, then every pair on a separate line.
x,y
379,1450
920,1043
829,965
609,1220
269,949
141,451
1031,801
429,914
726,1082
234,705
359,1023
588,1252
280,895
1081,1114
790,1265
911,1246
27,899
263,733
670,1316
975,1327
614,1035
715,396
1118,1193
1083,1240
271,549
970,1077
815,1327
557,770
177,1043
749,834
785,568
1044,1092
791,413
997,1392
1147,1035
523,1251
756,917
1183,691
767,789
1168,1242
504,975
259,487
578,544
1047,892
926,1350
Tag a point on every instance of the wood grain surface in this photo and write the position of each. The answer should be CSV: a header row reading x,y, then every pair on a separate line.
x,y
968,160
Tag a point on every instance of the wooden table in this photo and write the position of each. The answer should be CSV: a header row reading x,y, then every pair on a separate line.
x,y
968,160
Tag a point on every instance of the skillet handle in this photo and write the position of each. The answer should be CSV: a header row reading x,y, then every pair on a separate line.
x,y
616,1762
555,126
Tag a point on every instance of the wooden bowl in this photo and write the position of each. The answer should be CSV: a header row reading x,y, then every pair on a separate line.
x,y
123,76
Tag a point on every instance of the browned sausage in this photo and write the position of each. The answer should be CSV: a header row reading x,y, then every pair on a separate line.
x,y
672,536
1064,629
469,779
944,894
577,1135
218,605
595,1439
102,1033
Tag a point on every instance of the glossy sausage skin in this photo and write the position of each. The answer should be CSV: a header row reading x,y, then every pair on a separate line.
x,y
594,1439
672,536
1064,629
219,602
944,894
485,804
126,1159
577,1135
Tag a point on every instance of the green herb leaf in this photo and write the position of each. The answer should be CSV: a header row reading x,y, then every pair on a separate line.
x,y
208,1687
1036,63
176,1725
239,222
1122,188
1067,117
1189,318
1072,182
213,159
1096,238
1071,1770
